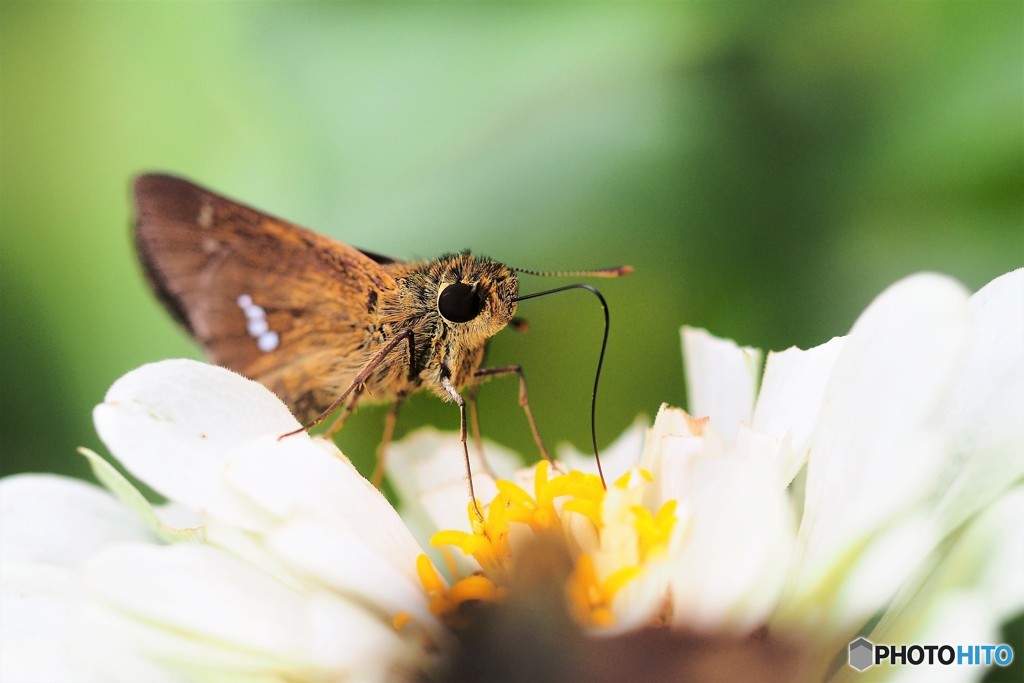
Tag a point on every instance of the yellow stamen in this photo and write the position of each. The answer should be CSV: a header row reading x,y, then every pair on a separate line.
x,y
514,493
428,575
614,583
588,508
654,531
589,596
400,620
580,589
449,537
473,587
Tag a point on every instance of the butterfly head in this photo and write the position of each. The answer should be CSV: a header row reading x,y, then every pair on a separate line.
x,y
475,296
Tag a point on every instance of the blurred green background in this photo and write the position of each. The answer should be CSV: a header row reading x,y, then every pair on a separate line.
x,y
766,168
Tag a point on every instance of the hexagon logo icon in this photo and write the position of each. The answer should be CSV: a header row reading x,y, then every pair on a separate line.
x,y
862,654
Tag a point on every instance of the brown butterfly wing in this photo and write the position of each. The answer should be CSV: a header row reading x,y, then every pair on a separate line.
x,y
212,260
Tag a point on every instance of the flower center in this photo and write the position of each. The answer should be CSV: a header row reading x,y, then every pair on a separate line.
x,y
609,535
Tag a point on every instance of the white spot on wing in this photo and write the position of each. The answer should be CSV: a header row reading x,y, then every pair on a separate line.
x,y
255,312
257,325
267,341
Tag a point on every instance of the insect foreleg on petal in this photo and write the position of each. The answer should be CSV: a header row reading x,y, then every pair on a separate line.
x,y
457,397
350,406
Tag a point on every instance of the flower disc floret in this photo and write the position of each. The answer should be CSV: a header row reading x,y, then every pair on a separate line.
x,y
609,535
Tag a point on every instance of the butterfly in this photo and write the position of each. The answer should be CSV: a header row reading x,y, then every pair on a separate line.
x,y
322,324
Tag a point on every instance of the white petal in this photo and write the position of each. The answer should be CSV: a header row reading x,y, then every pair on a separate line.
x,y
956,619
790,399
199,608
640,601
721,380
226,612
428,458
880,443
445,508
676,422
764,448
287,479
429,473
671,442
448,507
979,573
871,578
252,549
987,414
42,640
36,623
730,571
173,423
618,546
342,636
671,470
348,566
62,521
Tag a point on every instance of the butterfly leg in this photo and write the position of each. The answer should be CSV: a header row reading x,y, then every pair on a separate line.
x,y
345,412
360,379
461,402
377,478
524,399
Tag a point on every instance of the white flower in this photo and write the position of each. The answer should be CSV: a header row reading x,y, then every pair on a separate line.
x,y
50,527
908,427
872,485
621,543
830,495
288,565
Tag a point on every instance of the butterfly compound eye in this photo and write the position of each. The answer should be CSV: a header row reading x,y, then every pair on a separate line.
x,y
459,302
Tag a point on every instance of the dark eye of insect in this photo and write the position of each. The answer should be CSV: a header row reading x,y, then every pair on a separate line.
x,y
459,302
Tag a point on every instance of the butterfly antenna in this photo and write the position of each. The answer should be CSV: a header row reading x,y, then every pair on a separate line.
x,y
600,358
613,271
